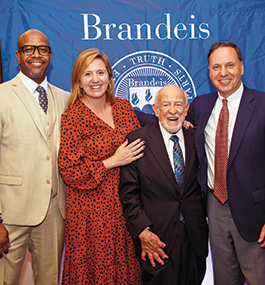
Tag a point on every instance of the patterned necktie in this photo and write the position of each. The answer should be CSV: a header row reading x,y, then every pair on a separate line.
x,y
43,99
221,155
178,166
178,161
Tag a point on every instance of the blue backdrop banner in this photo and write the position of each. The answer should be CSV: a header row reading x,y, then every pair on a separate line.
x,y
149,43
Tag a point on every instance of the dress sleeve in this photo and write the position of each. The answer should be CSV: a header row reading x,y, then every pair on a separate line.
x,y
135,119
131,117
76,169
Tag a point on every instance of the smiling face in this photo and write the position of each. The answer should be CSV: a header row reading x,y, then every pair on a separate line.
x,y
171,108
34,66
95,79
225,70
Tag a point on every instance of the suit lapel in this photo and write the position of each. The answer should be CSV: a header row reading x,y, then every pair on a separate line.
x,y
245,111
189,155
58,110
158,149
28,101
204,117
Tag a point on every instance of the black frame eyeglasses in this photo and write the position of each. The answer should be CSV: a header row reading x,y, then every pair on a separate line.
x,y
30,49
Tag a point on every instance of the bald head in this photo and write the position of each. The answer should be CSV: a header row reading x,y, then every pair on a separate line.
x,y
29,34
171,107
170,89
34,65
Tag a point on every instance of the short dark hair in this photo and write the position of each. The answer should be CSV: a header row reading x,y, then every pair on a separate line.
x,y
224,44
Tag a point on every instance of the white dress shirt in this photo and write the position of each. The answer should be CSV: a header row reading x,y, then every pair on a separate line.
x,y
32,85
210,129
169,144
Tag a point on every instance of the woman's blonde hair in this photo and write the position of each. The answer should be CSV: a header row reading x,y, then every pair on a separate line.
x,y
81,63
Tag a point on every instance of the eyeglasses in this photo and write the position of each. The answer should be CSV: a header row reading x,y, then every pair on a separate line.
x,y
30,50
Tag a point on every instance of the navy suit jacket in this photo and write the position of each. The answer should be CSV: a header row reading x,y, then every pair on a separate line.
x,y
246,164
145,118
150,196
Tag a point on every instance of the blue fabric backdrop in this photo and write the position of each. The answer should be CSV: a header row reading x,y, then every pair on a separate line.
x,y
149,43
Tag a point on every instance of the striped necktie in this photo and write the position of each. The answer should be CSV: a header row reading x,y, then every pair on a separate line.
x,y
178,161
178,167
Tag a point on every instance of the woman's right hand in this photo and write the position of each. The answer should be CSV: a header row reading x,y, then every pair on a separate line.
x,y
125,154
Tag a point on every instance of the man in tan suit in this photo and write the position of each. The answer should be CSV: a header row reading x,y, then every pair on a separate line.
x,y
32,194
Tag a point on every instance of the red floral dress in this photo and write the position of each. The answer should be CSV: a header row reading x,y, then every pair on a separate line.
x,y
98,246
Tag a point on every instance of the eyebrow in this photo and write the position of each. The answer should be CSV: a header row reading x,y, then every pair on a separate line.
x,y
178,101
222,64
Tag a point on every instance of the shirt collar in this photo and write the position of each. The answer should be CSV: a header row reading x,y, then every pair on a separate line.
x,y
31,84
166,135
234,98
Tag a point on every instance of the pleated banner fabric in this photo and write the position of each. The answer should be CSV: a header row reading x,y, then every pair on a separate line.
x,y
149,43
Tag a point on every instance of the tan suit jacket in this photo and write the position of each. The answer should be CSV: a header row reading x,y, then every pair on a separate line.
x,y
25,170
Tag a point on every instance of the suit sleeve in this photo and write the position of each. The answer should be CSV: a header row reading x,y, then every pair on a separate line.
x,y
130,195
190,115
145,118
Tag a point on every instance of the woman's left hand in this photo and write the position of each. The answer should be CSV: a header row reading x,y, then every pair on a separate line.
x,y
125,154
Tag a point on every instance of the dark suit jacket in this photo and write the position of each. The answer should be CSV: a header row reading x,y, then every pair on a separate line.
x,y
150,196
246,164
145,118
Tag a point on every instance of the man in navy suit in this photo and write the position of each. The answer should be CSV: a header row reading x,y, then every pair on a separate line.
x,y
172,250
236,224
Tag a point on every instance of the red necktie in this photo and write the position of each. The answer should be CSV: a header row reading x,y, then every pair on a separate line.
x,y
221,155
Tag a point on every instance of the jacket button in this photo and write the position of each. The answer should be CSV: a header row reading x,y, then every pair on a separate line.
x,y
175,223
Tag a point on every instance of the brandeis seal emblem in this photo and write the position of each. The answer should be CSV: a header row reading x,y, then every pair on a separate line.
x,y
139,76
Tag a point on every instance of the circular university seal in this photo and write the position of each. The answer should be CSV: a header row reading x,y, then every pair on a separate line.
x,y
140,75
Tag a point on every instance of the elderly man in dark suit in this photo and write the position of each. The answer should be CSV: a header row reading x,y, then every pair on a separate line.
x,y
162,199
231,151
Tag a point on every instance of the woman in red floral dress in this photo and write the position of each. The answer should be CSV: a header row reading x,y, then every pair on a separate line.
x,y
98,246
